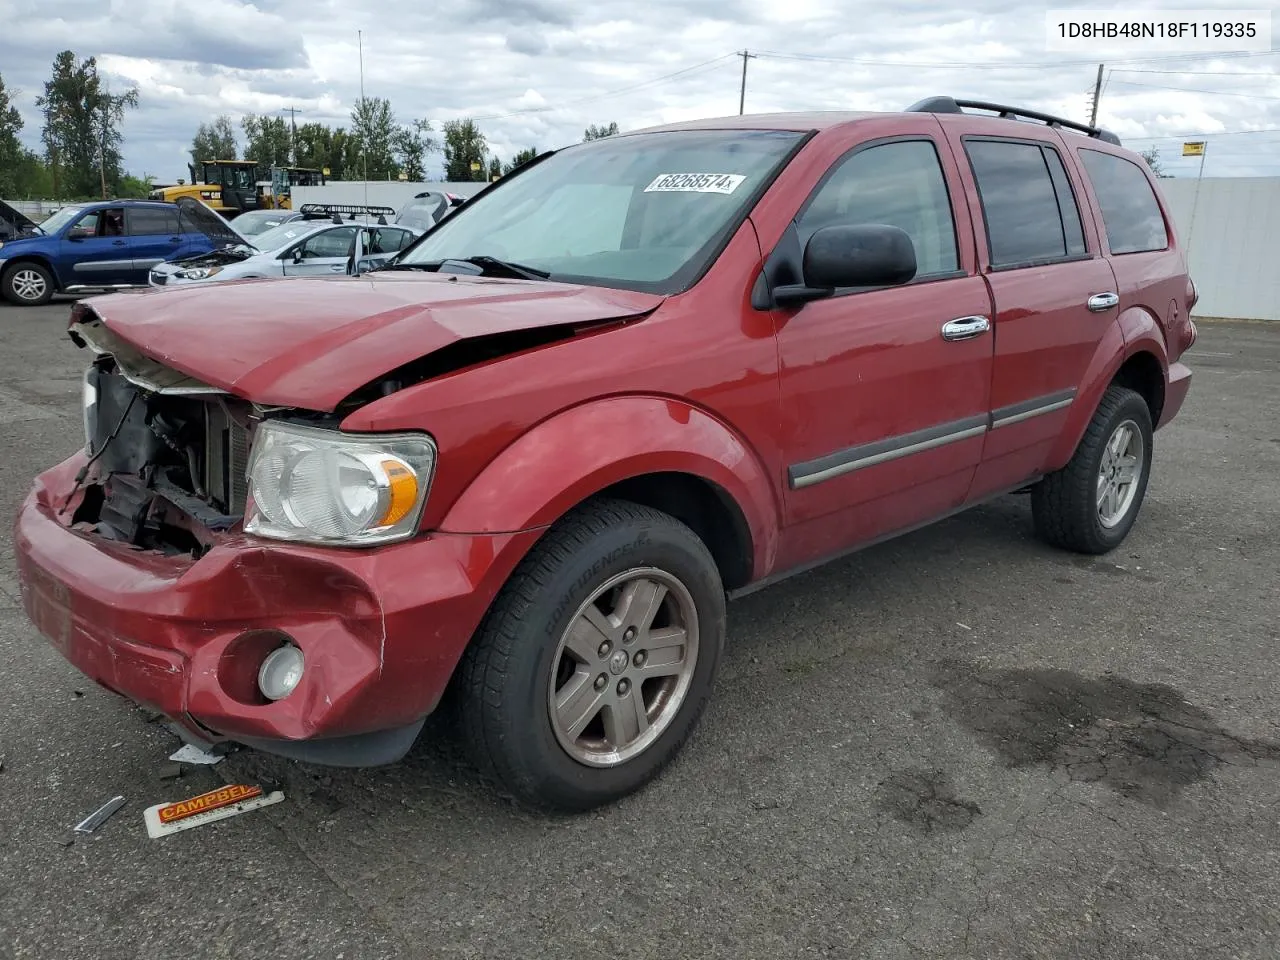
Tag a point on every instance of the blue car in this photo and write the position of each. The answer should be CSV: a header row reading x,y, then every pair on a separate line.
x,y
105,245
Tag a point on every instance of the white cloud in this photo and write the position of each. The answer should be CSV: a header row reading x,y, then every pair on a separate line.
x,y
540,71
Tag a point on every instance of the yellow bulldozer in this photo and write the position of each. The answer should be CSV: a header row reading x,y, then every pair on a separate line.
x,y
232,187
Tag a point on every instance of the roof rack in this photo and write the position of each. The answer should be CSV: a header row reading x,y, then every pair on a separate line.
x,y
336,211
951,105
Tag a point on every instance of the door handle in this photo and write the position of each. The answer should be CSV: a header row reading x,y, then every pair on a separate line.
x,y
338,268
965,328
1103,301
117,243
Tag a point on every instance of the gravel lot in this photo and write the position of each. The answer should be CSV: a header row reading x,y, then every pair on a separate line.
x,y
960,744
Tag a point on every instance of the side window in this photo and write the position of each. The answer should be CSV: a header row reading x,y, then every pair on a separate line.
x,y
328,243
900,184
1129,207
1031,214
385,240
86,226
153,221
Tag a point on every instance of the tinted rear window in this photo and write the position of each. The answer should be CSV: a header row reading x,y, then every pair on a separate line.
x,y
1130,210
1020,203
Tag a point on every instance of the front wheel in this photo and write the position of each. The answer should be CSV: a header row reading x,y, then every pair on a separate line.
x,y
27,284
596,660
1090,505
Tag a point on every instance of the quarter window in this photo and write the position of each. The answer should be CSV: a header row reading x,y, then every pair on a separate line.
x,y
900,184
1030,211
1130,211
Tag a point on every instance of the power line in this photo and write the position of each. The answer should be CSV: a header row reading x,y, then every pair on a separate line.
x,y
999,64
1212,93
1211,73
1187,136
614,93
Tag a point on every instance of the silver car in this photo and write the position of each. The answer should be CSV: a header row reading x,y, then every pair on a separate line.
x,y
300,248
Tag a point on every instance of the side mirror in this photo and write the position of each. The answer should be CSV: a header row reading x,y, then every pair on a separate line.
x,y
862,255
297,255
366,264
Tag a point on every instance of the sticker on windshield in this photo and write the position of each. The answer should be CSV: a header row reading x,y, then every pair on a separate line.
x,y
695,183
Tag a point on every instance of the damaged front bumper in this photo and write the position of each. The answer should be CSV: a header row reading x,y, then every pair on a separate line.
x,y
381,629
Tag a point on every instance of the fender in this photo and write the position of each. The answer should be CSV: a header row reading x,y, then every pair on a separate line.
x,y
581,451
1135,331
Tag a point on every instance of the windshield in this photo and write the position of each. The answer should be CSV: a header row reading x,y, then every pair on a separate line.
x,y
641,212
278,237
57,221
260,221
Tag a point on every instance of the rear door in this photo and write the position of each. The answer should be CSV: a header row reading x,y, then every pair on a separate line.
x,y
885,391
95,250
1053,289
154,237
324,253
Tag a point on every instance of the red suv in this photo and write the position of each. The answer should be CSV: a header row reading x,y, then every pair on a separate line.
x,y
520,469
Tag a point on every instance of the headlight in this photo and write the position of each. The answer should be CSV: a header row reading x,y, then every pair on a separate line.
x,y
198,273
321,486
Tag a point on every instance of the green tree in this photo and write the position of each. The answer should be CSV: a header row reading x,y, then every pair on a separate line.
x,y
10,147
266,139
495,168
81,130
135,188
599,133
410,146
521,158
1152,156
214,141
374,126
313,144
464,145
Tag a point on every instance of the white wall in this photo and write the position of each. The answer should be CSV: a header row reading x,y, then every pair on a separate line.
x,y
1233,244
383,193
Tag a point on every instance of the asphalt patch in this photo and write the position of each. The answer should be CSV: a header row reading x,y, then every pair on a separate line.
x,y
926,800
1145,741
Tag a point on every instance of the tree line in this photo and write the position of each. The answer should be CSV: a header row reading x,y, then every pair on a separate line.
x,y
376,146
80,135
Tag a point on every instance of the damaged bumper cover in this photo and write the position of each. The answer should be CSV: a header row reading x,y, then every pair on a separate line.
x,y
381,629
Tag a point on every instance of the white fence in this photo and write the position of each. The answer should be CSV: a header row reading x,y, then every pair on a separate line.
x,y
1233,243
382,193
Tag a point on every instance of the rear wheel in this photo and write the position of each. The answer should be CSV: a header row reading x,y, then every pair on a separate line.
x,y
27,284
1090,505
596,660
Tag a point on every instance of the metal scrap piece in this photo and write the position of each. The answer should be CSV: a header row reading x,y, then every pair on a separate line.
x,y
100,816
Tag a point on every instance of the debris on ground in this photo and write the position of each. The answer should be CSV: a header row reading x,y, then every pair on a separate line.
x,y
171,771
190,753
100,816
166,818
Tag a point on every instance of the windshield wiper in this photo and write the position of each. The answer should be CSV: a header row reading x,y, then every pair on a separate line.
x,y
515,269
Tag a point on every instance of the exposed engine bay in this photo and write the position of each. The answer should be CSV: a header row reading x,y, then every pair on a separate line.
x,y
167,454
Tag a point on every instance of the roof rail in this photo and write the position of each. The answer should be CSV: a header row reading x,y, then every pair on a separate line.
x,y
321,211
951,105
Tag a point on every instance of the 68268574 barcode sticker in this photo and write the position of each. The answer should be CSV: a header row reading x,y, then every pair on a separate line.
x,y
695,183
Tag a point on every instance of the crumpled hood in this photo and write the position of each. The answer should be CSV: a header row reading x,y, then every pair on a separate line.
x,y
310,343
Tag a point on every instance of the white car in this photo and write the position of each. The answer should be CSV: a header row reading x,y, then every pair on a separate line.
x,y
309,247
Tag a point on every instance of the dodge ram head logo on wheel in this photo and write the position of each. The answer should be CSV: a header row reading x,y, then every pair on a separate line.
x,y
515,471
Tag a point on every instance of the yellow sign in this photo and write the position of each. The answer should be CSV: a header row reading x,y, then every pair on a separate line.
x,y
325,171
1193,149
475,165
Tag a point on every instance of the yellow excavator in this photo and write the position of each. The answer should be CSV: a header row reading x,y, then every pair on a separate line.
x,y
232,187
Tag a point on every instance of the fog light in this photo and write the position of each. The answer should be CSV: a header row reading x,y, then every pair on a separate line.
x,y
280,672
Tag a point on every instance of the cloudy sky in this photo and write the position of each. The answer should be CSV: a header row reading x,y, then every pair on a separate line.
x,y
536,72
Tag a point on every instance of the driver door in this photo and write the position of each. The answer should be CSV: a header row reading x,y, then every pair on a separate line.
x,y
322,254
885,391
96,250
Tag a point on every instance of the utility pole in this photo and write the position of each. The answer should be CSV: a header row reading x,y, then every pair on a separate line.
x,y
1097,95
293,136
742,92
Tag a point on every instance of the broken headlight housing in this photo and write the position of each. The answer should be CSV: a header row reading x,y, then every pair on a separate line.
x,y
312,485
197,273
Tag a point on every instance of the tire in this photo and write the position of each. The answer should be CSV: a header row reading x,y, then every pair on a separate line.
x,y
27,284
1068,508
524,659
